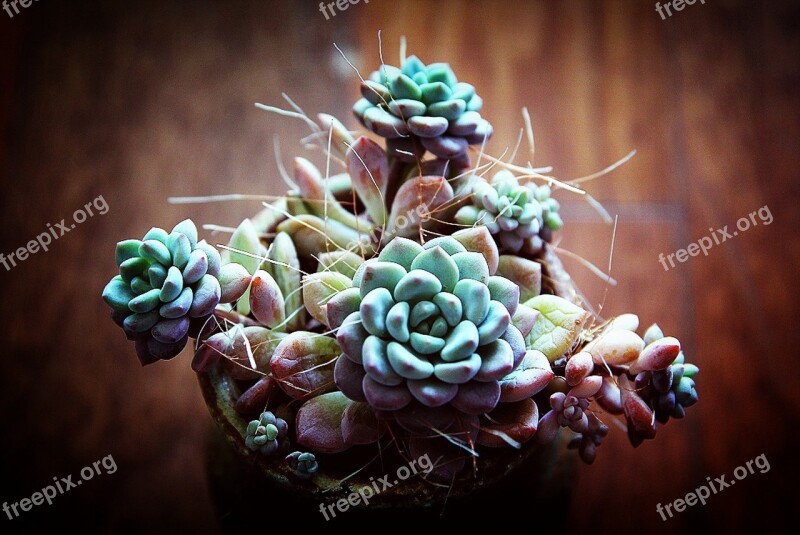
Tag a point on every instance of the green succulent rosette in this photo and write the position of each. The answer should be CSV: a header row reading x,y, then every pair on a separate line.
x,y
167,285
432,326
521,217
304,464
266,435
420,107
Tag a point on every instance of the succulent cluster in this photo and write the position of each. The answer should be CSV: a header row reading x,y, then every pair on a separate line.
x,y
166,283
671,390
266,435
589,439
420,107
433,325
518,216
650,381
401,301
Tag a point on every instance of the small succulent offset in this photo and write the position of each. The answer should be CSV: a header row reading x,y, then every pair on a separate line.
x,y
650,380
266,435
432,325
305,465
518,216
167,283
671,390
422,107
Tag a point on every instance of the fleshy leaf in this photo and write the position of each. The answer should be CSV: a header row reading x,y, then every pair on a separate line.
x,y
558,326
319,288
340,306
360,425
510,424
379,274
234,280
616,347
587,388
285,268
609,396
344,262
232,346
368,167
188,229
319,423
530,377
266,300
385,397
401,251
348,377
416,201
524,319
656,355
314,190
579,366
246,248
312,235
524,273
505,291
477,397
479,240
303,364
639,415
437,261
472,265
254,399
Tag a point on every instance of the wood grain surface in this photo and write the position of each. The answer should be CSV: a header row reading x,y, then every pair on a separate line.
x,y
138,101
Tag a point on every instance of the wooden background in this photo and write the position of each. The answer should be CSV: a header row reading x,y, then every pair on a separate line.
x,y
138,101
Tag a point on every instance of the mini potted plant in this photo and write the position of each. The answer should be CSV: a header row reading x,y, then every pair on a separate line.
x,y
406,306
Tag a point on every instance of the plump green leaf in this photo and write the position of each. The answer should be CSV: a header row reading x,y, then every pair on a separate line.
x,y
559,324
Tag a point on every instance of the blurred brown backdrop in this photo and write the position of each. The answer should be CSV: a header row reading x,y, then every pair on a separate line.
x,y
141,100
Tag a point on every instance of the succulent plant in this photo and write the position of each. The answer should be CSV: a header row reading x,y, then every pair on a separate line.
x,y
662,385
319,217
518,216
420,107
167,283
305,465
570,409
432,325
267,434
352,308
590,439
671,390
